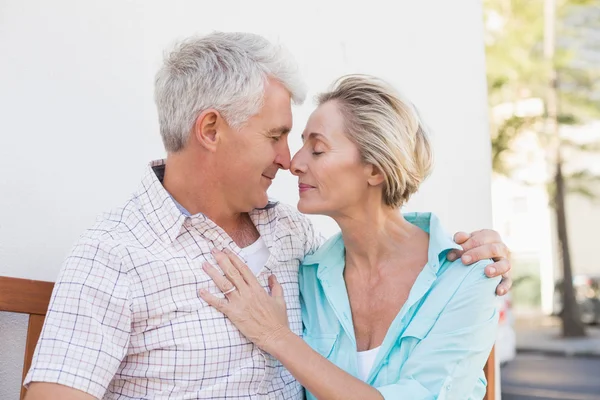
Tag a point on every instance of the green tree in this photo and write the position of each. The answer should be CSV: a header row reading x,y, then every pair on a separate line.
x,y
535,50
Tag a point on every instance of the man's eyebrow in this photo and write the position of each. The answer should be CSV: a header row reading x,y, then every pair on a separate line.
x,y
280,130
312,135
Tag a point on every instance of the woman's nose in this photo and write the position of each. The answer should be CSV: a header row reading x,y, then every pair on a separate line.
x,y
297,167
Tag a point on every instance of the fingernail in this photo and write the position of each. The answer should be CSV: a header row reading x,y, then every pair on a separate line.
x,y
502,292
214,251
202,292
205,266
492,271
452,256
467,259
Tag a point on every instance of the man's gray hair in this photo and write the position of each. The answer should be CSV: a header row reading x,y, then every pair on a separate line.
x,y
226,71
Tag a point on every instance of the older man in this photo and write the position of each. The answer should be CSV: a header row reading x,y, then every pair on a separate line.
x,y
125,320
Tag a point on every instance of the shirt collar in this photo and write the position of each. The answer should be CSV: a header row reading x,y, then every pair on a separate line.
x,y
331,255
165,214
440,242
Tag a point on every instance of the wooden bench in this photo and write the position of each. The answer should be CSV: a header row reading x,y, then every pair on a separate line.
x,y
27,297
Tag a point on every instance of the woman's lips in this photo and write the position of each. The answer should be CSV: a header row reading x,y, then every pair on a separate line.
x,y
302,187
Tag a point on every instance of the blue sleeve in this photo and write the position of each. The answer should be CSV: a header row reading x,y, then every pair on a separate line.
x,y
448,362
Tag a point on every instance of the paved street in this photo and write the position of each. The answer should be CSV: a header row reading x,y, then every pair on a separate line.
x,y
537,377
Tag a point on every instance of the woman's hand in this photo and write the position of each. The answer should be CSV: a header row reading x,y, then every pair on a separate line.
x,y
260,316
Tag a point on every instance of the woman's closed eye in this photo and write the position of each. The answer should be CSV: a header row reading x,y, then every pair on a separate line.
x,y
318,150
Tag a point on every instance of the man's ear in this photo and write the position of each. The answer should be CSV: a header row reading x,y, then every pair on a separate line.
x,y
374,175
206,129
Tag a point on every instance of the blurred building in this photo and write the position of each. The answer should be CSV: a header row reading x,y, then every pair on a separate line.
x,y
522,212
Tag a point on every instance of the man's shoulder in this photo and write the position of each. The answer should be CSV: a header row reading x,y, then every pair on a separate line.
x,y
288,211
116,225
106,242
290,215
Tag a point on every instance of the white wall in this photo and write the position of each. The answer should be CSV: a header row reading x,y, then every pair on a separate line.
x,y
78,123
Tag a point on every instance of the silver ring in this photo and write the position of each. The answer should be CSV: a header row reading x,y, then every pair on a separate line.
x,y
233,289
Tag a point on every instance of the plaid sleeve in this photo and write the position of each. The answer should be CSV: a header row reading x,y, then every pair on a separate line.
x,y
87,328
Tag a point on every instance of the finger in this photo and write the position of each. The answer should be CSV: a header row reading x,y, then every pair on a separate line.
x,y
221,281
276,290
498,268
454,255
275,286
461,237
228,269
242,268
495,251
220,303
480,238
504,286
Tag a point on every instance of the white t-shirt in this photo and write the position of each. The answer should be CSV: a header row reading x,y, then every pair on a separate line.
x,y
256,255
366,359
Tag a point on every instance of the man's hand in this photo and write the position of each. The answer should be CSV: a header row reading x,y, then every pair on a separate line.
x,y
481,245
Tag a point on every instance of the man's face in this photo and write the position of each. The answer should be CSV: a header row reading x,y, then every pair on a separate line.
x,y
252,156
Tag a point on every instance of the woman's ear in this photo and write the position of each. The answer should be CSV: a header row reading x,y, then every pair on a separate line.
x,y
374,175
206,129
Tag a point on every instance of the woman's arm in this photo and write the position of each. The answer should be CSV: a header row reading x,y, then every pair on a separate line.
x,y
262,318
448,362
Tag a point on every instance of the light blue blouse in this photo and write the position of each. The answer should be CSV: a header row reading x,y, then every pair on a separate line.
x,y
436,346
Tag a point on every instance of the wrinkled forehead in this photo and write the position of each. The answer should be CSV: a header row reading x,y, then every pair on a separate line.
x,y
326,120
276,111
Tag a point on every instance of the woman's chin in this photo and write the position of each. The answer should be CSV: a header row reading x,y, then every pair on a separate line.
x,y
305,207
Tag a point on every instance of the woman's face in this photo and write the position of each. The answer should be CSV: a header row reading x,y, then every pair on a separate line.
x,y
331,176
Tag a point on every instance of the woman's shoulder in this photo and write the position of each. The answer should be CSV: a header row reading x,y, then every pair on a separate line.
x,y
458,276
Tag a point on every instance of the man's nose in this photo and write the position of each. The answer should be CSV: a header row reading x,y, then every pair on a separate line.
x,y
283,158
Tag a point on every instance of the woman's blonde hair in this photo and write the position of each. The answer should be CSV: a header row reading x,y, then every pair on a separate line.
x,y
388,132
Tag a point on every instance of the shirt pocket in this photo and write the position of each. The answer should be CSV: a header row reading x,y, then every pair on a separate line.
x,y
322,343
418,328
409,339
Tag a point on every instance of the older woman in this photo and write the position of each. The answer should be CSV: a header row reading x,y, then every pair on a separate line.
x,y
385,314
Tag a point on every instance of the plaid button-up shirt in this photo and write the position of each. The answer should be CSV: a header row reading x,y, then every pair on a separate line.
x,y
125,320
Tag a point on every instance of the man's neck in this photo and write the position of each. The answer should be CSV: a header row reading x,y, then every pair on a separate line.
x,y
201,195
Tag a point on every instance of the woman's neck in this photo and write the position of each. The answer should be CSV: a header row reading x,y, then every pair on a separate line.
x,y
376,236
